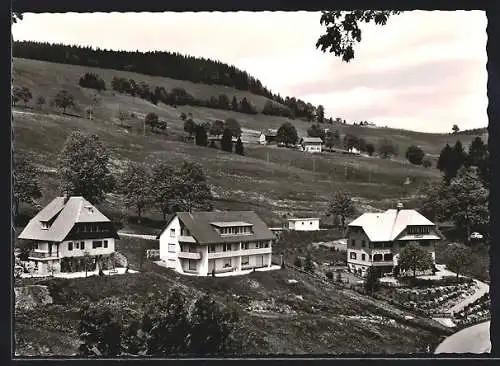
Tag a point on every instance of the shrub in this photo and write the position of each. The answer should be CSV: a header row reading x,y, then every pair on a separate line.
x,y
92,81
329,275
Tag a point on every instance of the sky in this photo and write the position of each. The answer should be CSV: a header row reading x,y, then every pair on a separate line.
x,y
423,70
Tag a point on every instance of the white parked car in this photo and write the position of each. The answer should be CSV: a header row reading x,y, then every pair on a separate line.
x,y
476,235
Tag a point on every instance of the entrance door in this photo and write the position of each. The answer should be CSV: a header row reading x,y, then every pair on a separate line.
x,y
259,261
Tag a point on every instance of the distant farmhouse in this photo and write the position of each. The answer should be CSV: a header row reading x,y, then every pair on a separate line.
x,y
311,144
209,243
306,224
375,239
268,136
218,138
64,231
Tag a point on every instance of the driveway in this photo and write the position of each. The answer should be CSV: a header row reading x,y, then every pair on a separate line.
x,y
475,339
141,236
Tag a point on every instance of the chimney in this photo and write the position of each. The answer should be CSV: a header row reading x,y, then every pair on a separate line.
x,y
399,206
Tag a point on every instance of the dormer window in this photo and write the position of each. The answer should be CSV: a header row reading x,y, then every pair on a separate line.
x,y
45,225
233,228
418,230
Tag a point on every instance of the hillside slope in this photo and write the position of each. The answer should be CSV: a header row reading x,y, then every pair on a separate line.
x,y
270,180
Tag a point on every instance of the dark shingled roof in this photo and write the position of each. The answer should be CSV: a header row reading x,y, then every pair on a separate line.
x,y
64,214
201,228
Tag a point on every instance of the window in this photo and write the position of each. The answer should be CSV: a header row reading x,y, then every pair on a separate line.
x,y
211,248
192,264
363,243
172,233
77,245
363,257
352,255
45,225
353,242
388,257
171,248
96,244
418,230
227,262
105,243
245,260
246,246
70,246
377,257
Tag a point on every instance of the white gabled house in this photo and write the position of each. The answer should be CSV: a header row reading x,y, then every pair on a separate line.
x,y
66,230
206,243
311,144
305,224
375,239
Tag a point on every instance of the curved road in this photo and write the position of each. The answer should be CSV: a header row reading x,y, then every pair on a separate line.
x,y
475,339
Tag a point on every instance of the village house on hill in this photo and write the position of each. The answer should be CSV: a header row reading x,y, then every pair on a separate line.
x,y
311,144
208,243
305,224
65,231
268,136
376,239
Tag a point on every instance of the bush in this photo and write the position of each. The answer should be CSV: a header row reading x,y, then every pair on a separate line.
x,y
298,262
329,275
92,81
426,163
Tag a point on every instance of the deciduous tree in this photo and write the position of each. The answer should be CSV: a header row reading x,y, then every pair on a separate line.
x,y
413,257
135,185
190,126
387,148
26,182
287,134
458,258
342,29
217,128
64,100
83,167
234,126
341,205
370,148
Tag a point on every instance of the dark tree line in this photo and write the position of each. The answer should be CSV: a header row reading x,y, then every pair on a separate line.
x,y
92,81
173,65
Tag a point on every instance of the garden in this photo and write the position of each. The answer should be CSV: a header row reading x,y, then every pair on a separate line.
x,y
433,299
474,312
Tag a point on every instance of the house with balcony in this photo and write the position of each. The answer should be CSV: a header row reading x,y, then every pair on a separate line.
x,y
311,144
206,243
268,136
67,232
376,239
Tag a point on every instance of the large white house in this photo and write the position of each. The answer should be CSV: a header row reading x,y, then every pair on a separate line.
x,y
375,239
66,230
206,243
311,144
306,224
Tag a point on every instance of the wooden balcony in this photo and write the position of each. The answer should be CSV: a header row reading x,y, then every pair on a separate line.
x,y
37,254
189,255
237,253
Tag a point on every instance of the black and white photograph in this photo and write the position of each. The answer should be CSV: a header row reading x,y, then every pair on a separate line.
x,y
250,184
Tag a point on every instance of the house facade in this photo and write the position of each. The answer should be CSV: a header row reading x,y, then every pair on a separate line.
x,y
376,239
267,137
311,144
65,232
206,243
306,224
